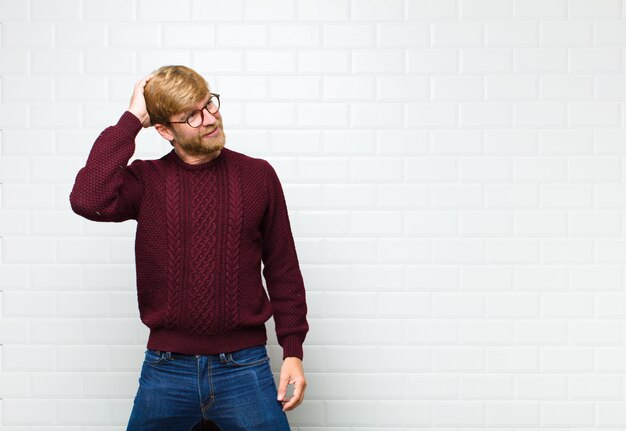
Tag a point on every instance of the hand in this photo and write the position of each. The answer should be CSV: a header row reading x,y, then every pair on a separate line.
x,y
138,102
291,373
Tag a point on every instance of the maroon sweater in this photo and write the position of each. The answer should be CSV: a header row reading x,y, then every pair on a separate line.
x,y
202,232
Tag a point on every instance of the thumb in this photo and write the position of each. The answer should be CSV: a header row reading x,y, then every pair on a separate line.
x,y
282,386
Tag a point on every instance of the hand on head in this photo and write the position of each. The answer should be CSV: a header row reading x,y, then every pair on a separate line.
x,y
138,102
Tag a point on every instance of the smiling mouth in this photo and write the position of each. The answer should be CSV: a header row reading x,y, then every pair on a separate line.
x,y
212,132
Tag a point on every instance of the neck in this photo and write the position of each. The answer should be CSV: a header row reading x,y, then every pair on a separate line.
x,y
196,158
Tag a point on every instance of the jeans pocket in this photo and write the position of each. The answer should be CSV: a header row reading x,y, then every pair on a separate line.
x,y
248,357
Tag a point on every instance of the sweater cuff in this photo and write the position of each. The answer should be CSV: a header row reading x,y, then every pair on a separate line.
x,y
129,124
292,347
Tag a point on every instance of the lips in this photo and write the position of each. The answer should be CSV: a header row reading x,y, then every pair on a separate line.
x,y
212,132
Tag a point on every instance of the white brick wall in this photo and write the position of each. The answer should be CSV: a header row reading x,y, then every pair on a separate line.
x,y
456,181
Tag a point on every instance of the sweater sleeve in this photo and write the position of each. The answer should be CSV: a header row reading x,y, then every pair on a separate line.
x,y
281,271
106,188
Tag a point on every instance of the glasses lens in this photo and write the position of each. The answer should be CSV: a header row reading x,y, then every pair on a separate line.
x,y
214,104
195,119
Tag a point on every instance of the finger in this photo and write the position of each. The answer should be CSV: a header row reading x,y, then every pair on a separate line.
x,y
282,386
297,397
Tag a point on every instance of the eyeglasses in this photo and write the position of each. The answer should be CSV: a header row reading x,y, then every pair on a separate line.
x,y
196,118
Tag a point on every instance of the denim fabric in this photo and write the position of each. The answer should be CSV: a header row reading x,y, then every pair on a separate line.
x,y
234,390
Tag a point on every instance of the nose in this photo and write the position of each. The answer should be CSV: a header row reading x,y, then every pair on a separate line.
x,y
207,118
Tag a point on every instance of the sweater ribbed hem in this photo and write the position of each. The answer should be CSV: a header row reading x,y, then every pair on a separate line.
x,y
129,124
167,340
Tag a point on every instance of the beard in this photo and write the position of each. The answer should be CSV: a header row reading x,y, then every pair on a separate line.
x,y
200,144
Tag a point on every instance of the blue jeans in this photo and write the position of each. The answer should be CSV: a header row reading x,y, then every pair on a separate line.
x,y
234,390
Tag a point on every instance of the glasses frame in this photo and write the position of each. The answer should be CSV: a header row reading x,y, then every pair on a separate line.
x,y
217,96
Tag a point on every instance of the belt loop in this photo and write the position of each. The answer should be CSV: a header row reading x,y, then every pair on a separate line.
x,y
223,359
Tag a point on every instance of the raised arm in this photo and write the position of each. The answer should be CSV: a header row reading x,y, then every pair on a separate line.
x,y
106,188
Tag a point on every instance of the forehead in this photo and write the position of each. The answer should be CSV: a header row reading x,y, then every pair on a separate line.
x,y
196,107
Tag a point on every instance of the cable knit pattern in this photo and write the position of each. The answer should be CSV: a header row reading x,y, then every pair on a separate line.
x,y
174,258
203,231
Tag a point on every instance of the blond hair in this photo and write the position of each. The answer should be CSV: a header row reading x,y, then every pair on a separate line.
x,y
173,89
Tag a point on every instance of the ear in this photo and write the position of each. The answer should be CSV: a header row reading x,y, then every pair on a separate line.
x,y
165,132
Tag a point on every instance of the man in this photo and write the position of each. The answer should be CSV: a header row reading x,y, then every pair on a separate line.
x,y
206,218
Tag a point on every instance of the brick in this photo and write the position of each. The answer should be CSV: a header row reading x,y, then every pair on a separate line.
x,y
55,62
486,9
385,115
393,196
83,412
541,224
322,10
54,276
433,61
14,169
511,196
12,11
349,35
295,88
28,304
52,115
217,10
82,358
243,88
294,35
541,278
458,413
565,251
270,61
567,305
432,9
540,114
403,35
14,62
29,412
431,169
477,278
540,169
511,88
109,61
595,224
452,88
81,36
565,33
111,11
458,250
599,9
490,114
457,34
488,61
348,142
595,60
609,33
379,170
80,88
163,10
540,9
227,61
322,114
274,10
377,10
63,10
136,35
566,142
431,115
580,359
512,359
487,386
312,61
189,35
27,35
511,34
541,60
57,385
348,88
380,61
431,224
566,196
359,250
397,142
516,305
28,249
455,142
486,169
594,114
566,87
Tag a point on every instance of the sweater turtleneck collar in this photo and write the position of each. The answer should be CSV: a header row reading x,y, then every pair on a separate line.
x,y
198,166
